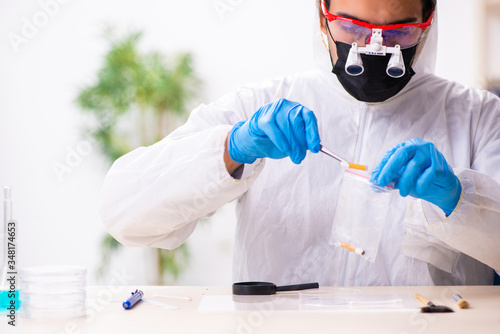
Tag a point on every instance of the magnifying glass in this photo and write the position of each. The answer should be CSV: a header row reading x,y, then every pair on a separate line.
x,y
267,288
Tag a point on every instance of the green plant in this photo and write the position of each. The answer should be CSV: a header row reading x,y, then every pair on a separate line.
x,y
148,86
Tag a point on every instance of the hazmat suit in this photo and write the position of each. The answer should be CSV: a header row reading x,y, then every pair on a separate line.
x,y
155,195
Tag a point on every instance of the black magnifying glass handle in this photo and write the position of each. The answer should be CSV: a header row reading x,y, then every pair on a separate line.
x,y
295,287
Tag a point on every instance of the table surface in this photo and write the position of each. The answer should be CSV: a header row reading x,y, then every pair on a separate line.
x,y
105,313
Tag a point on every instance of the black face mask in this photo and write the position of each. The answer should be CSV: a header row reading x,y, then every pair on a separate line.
x,y
373,85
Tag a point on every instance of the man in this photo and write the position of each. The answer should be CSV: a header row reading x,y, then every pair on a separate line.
x,y
446,232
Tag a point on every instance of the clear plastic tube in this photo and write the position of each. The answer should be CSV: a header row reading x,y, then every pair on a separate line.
x,y
7,217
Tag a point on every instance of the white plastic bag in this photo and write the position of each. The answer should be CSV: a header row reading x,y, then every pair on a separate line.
x,y
361,215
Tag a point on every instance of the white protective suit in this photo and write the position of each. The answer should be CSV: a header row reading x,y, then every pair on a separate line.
x,y
154,195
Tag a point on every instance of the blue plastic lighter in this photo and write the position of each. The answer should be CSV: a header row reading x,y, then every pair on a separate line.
x,y
134,299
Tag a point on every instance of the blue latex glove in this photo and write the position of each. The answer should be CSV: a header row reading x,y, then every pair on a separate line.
x,y
277,130
418,169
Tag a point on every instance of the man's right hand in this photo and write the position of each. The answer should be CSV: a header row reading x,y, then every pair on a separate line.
x,y
277,130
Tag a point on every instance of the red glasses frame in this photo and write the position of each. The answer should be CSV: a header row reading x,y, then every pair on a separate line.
x,y
332,17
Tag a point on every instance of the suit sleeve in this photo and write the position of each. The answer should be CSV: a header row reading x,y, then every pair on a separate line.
x,y
474,227
154,196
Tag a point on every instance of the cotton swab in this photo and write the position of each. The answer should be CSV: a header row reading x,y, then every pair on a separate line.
x,y
160,304
175,297
462,303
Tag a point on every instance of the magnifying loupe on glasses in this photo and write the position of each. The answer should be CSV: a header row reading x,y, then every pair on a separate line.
x,y
395,67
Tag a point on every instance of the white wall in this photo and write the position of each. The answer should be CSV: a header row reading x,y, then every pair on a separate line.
x,y
459,51
40,124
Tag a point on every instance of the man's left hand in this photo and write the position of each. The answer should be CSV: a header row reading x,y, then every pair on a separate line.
x,y
418,169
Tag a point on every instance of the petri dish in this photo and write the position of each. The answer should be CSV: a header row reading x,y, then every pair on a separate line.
x,y
53,292
52,300
53,313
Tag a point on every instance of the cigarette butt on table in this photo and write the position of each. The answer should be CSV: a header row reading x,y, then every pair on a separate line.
x,y
462,303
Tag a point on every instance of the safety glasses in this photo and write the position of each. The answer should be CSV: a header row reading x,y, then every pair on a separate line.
x,y
347,30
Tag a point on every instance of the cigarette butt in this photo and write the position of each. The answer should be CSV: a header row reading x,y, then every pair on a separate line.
x,y
351,248
356,166
347,246
462,303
